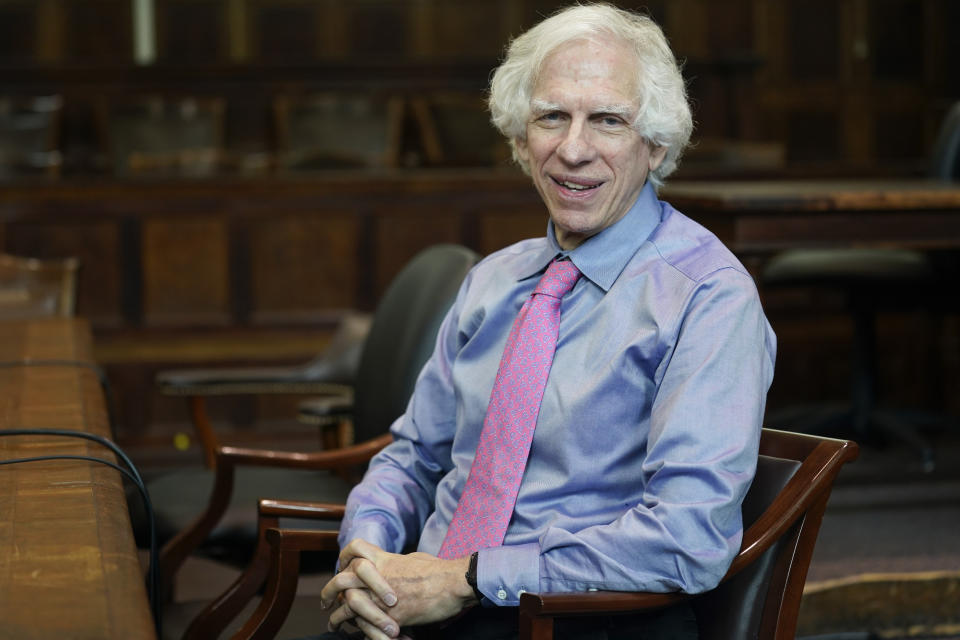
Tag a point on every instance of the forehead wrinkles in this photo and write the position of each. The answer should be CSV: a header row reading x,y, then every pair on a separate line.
x,y
601,71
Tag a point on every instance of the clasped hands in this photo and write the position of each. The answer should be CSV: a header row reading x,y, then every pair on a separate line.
x,y
380,592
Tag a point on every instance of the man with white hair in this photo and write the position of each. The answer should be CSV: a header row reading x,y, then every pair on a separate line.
x,y
592,427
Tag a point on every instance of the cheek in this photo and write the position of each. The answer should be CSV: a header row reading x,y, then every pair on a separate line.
x,y
539,146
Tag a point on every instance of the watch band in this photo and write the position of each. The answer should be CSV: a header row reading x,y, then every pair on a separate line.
x,y
471,575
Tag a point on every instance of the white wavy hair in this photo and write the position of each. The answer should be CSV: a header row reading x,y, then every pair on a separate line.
x,y
663,118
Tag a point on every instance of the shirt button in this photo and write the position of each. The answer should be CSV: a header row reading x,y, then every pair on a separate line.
x,y
502,594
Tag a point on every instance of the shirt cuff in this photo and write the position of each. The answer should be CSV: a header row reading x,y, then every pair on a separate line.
x,y
503,573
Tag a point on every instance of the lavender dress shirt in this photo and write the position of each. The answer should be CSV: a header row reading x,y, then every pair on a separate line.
x,y
647,436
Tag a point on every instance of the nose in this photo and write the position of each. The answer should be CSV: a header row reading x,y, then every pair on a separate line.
x,y
576,147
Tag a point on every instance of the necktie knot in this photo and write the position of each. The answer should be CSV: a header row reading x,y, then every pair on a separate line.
x,y
559,279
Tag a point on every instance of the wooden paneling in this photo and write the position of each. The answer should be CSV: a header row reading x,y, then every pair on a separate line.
x,y
99,31
377,27
186,271
402,232
18,31
190,30
266,252
897,39
286,30
303,266
465,29
813,32
503,228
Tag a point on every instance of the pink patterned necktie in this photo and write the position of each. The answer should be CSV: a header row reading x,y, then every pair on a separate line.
x,y
483,513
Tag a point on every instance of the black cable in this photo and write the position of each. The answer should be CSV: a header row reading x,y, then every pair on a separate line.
x,y
133,475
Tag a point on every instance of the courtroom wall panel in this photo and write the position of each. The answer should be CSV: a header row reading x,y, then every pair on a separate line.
x,y
186,271
303,264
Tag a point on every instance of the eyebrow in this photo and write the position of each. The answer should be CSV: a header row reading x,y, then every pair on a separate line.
x,y
542,106
623,110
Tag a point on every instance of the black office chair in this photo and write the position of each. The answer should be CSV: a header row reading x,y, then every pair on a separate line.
x,y
401,339
331,373
872,279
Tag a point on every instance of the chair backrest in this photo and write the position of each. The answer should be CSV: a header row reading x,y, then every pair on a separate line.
x,y
782,513
33,288
945,158
404,333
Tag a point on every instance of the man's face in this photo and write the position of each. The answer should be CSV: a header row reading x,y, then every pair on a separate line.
x,y
586,159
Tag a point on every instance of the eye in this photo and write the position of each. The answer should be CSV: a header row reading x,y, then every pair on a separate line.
x,y
609,120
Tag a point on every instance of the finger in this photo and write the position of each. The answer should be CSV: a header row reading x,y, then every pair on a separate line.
x,y
371,632
368,572
358,548
340,615
362,604
337,585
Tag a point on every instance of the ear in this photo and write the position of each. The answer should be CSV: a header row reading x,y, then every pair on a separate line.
x,y
657,154
523,151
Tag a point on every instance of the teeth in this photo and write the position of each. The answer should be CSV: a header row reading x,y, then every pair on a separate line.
x,y
578,187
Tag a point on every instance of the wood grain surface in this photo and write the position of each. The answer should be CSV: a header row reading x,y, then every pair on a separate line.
x,y
68,562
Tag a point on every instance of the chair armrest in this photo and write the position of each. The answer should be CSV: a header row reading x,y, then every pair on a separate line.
x,y
333,459
324,411
331,373
218,614
300,509
546,604
175,552
247,381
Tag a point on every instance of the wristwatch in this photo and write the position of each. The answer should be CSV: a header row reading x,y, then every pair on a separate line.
x,y
471,575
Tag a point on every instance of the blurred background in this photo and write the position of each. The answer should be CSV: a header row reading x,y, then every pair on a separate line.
x,y
235,174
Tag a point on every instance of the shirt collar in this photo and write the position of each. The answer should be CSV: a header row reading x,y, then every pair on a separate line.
x,y
602,257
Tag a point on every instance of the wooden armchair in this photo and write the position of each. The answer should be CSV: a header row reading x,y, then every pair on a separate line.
x,y
400,340
34,287
759,598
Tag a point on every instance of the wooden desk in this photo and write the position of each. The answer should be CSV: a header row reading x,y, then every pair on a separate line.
x,y
68,562
767,216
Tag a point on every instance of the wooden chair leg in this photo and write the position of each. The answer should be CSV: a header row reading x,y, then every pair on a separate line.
x,y
201,422
535,628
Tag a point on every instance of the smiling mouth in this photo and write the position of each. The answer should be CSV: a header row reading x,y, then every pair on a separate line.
x,y
574,186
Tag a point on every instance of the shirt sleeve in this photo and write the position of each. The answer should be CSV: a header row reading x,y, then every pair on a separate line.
x,y
390,505
704,429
